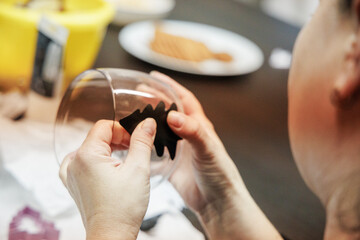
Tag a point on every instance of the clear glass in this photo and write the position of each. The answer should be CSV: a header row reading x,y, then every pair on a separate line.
x,y
111,94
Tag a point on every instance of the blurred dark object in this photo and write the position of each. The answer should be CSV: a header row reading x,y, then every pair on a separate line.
x,y
148,224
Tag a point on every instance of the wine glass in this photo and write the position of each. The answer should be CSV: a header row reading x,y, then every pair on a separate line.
x,y
112,94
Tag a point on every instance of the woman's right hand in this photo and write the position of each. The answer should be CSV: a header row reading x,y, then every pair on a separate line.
x,y
207,178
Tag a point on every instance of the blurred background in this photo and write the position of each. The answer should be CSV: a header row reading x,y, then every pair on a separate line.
x,y
45,44
296,12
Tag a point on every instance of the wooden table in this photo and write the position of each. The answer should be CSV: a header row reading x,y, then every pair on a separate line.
x,y
249,112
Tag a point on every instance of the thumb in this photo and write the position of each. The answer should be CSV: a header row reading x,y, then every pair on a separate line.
x,y
141,143
191,130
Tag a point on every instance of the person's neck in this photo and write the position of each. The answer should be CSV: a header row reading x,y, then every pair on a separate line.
x,y
343,211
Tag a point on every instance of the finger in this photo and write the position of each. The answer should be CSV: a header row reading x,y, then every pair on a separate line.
x,y
119,147
190,102
103,135
191,130
64,167
119,135
155,94
180,90
141,143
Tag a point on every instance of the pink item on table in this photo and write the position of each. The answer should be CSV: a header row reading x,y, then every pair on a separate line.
x,y
42,230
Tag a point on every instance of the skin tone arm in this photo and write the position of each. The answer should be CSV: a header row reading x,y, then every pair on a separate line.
x,y
112,196
207,178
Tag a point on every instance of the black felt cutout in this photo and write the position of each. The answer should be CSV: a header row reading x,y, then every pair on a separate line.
x,y
164,135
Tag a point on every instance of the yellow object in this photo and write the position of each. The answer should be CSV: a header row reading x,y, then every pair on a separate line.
x,y
86,21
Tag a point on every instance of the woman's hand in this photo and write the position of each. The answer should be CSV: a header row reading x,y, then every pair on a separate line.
x,y
112,196
207,178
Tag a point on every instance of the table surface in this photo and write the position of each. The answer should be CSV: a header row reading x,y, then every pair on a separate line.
x,y
249,112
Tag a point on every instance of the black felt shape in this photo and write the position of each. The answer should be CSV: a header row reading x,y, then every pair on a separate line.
x,y
164,135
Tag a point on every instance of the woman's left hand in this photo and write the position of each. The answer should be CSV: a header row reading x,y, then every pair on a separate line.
x,y
112,196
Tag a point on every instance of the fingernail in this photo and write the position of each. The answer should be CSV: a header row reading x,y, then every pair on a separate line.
x,y
176,119
154,73
149,126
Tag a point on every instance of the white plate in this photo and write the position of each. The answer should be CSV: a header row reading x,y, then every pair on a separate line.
x,y
128,11
247,57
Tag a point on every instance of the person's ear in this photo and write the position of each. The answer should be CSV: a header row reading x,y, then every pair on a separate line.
x,y
346,87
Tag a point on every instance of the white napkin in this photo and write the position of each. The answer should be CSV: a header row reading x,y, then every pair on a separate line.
x,y
27,153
